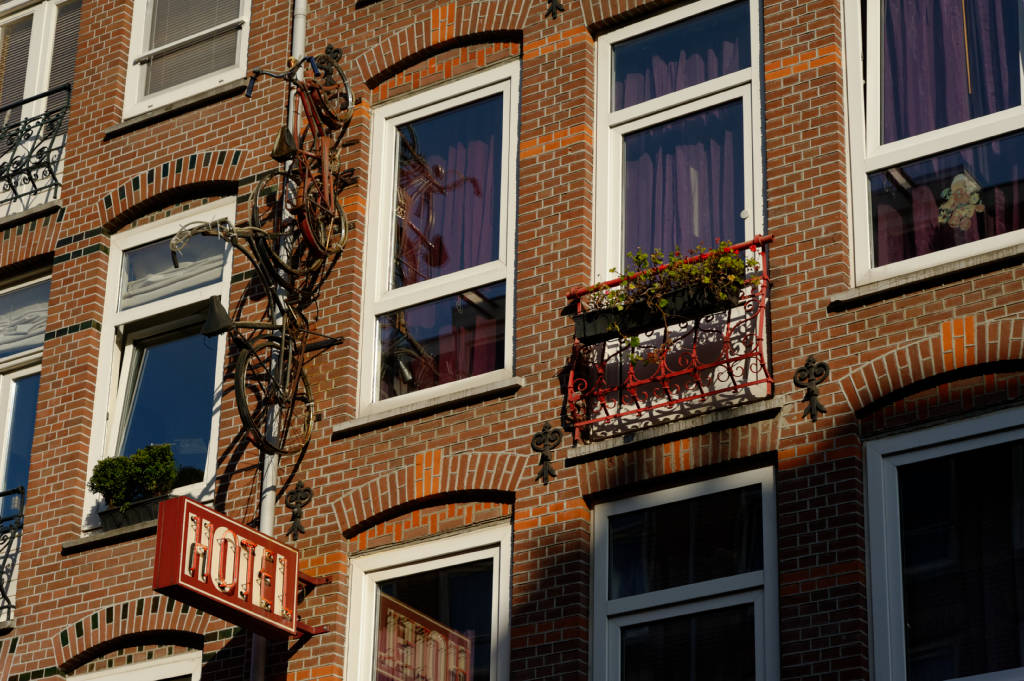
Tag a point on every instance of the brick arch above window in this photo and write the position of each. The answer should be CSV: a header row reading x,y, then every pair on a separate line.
x,y
139,194
432,478
603,14
127,623
454,24
962,346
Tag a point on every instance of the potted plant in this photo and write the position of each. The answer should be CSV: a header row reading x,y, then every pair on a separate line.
x,y
133,486
659,291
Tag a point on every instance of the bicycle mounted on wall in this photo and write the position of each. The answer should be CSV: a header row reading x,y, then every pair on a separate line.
x,y
297,229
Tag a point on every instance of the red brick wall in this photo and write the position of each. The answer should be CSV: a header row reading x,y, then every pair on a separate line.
x,y
901,359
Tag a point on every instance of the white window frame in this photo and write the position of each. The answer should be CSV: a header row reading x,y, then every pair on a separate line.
x,y
612,126
869,155
378,300
759,587
884,457
170,667
111,380
494,542
135,102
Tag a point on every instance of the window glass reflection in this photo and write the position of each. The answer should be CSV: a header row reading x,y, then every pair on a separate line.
x,y
442,341
715,644
148,273
436,625
23,318
962,547
170,399
677,56
947,200
448,195
15,460
688,541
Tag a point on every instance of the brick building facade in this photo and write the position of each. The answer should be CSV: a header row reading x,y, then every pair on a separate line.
x,y
727,532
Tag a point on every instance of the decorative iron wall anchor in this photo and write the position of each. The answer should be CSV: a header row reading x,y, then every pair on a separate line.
x,y
296,499
554,7
809,376
544,442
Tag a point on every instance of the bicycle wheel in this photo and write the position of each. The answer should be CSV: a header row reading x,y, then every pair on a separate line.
x,y
275,212
274,402
324,224
331,93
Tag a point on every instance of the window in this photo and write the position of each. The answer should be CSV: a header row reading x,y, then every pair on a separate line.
x,y
37,65
941,176
434,611
438,306
183,47
678,148
182,667
684,583
22,323
946,521
164,375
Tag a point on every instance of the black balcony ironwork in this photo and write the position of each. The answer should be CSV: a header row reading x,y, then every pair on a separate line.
x,y
31,147
12,505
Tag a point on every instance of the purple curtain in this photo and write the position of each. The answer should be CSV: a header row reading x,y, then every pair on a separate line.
x,y
682,54
684,183
663,77
932,77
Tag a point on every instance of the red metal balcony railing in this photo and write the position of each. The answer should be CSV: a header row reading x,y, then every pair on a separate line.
x,y
676,371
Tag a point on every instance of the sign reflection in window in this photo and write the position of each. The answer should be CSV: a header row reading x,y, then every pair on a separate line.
x,y
436,625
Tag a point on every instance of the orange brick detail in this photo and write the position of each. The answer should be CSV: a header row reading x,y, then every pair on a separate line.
x,y
556,41
442,23
812,59
555,140
958,343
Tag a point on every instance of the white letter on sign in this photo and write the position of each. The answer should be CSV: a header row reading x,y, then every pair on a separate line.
x,y
198,540
224,560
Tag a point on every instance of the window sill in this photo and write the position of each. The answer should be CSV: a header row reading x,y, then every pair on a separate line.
x,y
761,410
190,103
95,539
30,214
926,278
7,625
505,386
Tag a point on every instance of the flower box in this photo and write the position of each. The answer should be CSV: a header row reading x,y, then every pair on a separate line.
x,y
601,324
134,513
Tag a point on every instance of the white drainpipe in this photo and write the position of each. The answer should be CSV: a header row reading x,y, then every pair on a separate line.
x,y
268,492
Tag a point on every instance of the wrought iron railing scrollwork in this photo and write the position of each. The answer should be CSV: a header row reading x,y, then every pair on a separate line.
x,y
31,147
12,504
683,369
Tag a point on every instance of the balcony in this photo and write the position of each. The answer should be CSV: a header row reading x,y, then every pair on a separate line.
x,y
32,136
12,503
674,368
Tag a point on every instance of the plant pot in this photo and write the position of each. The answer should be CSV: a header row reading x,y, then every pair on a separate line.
x,y
595,326
135,513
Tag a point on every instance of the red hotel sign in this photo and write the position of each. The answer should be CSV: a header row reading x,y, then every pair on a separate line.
x,y
209,561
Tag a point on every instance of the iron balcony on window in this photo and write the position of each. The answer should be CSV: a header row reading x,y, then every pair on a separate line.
x,y
12,504
31,147
630,376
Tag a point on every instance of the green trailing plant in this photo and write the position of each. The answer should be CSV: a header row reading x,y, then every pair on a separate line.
x,y
122,480
671,288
